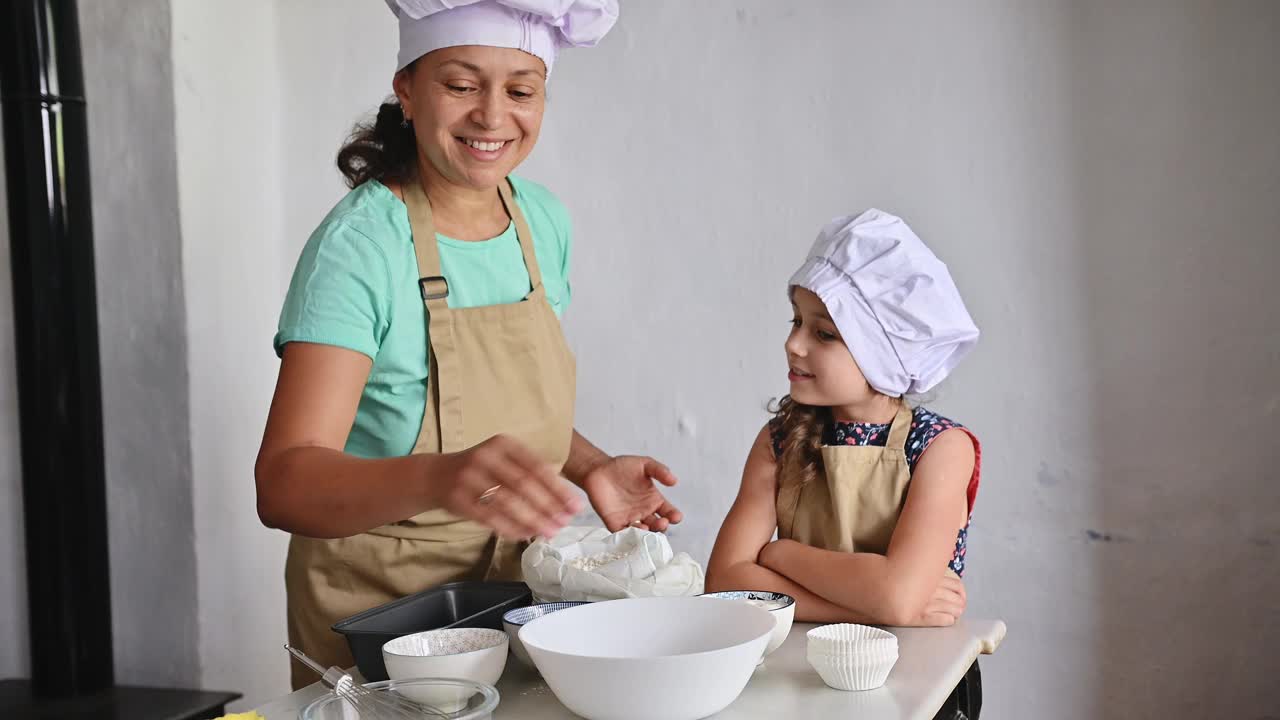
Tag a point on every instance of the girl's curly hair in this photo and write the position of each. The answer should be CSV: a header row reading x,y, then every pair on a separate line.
x,y
800,428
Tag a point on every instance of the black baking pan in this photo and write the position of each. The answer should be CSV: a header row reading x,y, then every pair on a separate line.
x,y
455,605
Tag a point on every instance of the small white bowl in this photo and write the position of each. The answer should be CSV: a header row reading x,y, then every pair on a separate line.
x,y
782,607
515,619
476,654
852,657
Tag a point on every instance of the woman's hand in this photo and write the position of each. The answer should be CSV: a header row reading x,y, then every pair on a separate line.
x,y
502,484
623,492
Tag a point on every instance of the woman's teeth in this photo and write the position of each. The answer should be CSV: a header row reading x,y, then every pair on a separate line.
x,y
485,146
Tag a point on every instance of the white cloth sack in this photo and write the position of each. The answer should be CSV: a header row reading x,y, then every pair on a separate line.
x,y
583,563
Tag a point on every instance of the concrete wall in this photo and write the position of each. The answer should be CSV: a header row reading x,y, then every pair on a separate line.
x,y
1101,179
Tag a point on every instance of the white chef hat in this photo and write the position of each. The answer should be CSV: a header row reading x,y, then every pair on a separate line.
x,y
892,300
538,27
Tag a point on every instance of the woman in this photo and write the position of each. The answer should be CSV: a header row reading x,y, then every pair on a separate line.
x,y
423,415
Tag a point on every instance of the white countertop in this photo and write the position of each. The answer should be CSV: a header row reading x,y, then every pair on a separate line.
x,y
931,661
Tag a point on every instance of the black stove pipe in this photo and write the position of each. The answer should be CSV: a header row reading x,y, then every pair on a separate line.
x,y
46,149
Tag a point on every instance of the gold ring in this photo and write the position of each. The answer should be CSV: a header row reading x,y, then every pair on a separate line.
x,y
487,496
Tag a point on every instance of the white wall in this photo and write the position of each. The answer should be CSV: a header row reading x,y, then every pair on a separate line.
x,y
1177,175
127,61
1100,180
231,197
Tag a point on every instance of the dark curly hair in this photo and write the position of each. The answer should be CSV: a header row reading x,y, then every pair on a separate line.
x,y
385,150
801,428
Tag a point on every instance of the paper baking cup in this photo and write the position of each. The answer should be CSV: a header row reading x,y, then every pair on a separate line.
x,y
847,640
862,673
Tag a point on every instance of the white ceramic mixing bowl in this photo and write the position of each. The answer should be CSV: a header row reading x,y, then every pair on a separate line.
x,y
781,606
679,658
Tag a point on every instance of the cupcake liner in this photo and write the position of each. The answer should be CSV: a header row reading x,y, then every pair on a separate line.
x,y
862,674
852,657
866,655
848,639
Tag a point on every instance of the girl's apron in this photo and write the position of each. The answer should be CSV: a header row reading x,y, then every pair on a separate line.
x,y
858,505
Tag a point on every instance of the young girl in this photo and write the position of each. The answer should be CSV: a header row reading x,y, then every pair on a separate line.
x,y
870,497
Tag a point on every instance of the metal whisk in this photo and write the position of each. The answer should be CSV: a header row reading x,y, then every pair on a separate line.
x,y
367,703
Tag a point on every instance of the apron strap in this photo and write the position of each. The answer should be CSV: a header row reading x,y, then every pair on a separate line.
x,y
431,281
901,428
444,398
524,235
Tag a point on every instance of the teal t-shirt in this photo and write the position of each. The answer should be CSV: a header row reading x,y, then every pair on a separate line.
x,y
356,287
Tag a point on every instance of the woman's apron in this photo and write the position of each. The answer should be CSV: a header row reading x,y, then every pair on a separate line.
x,y
858,505
499,369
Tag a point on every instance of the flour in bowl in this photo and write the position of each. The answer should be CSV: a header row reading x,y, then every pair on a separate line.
x,y
600,559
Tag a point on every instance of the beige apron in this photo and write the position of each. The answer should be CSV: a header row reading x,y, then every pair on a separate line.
x,y
500,369
856,507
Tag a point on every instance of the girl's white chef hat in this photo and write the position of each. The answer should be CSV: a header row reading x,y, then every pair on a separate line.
x,y
892,299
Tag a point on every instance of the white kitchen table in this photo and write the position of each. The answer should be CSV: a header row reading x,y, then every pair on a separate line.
x,y
931,661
